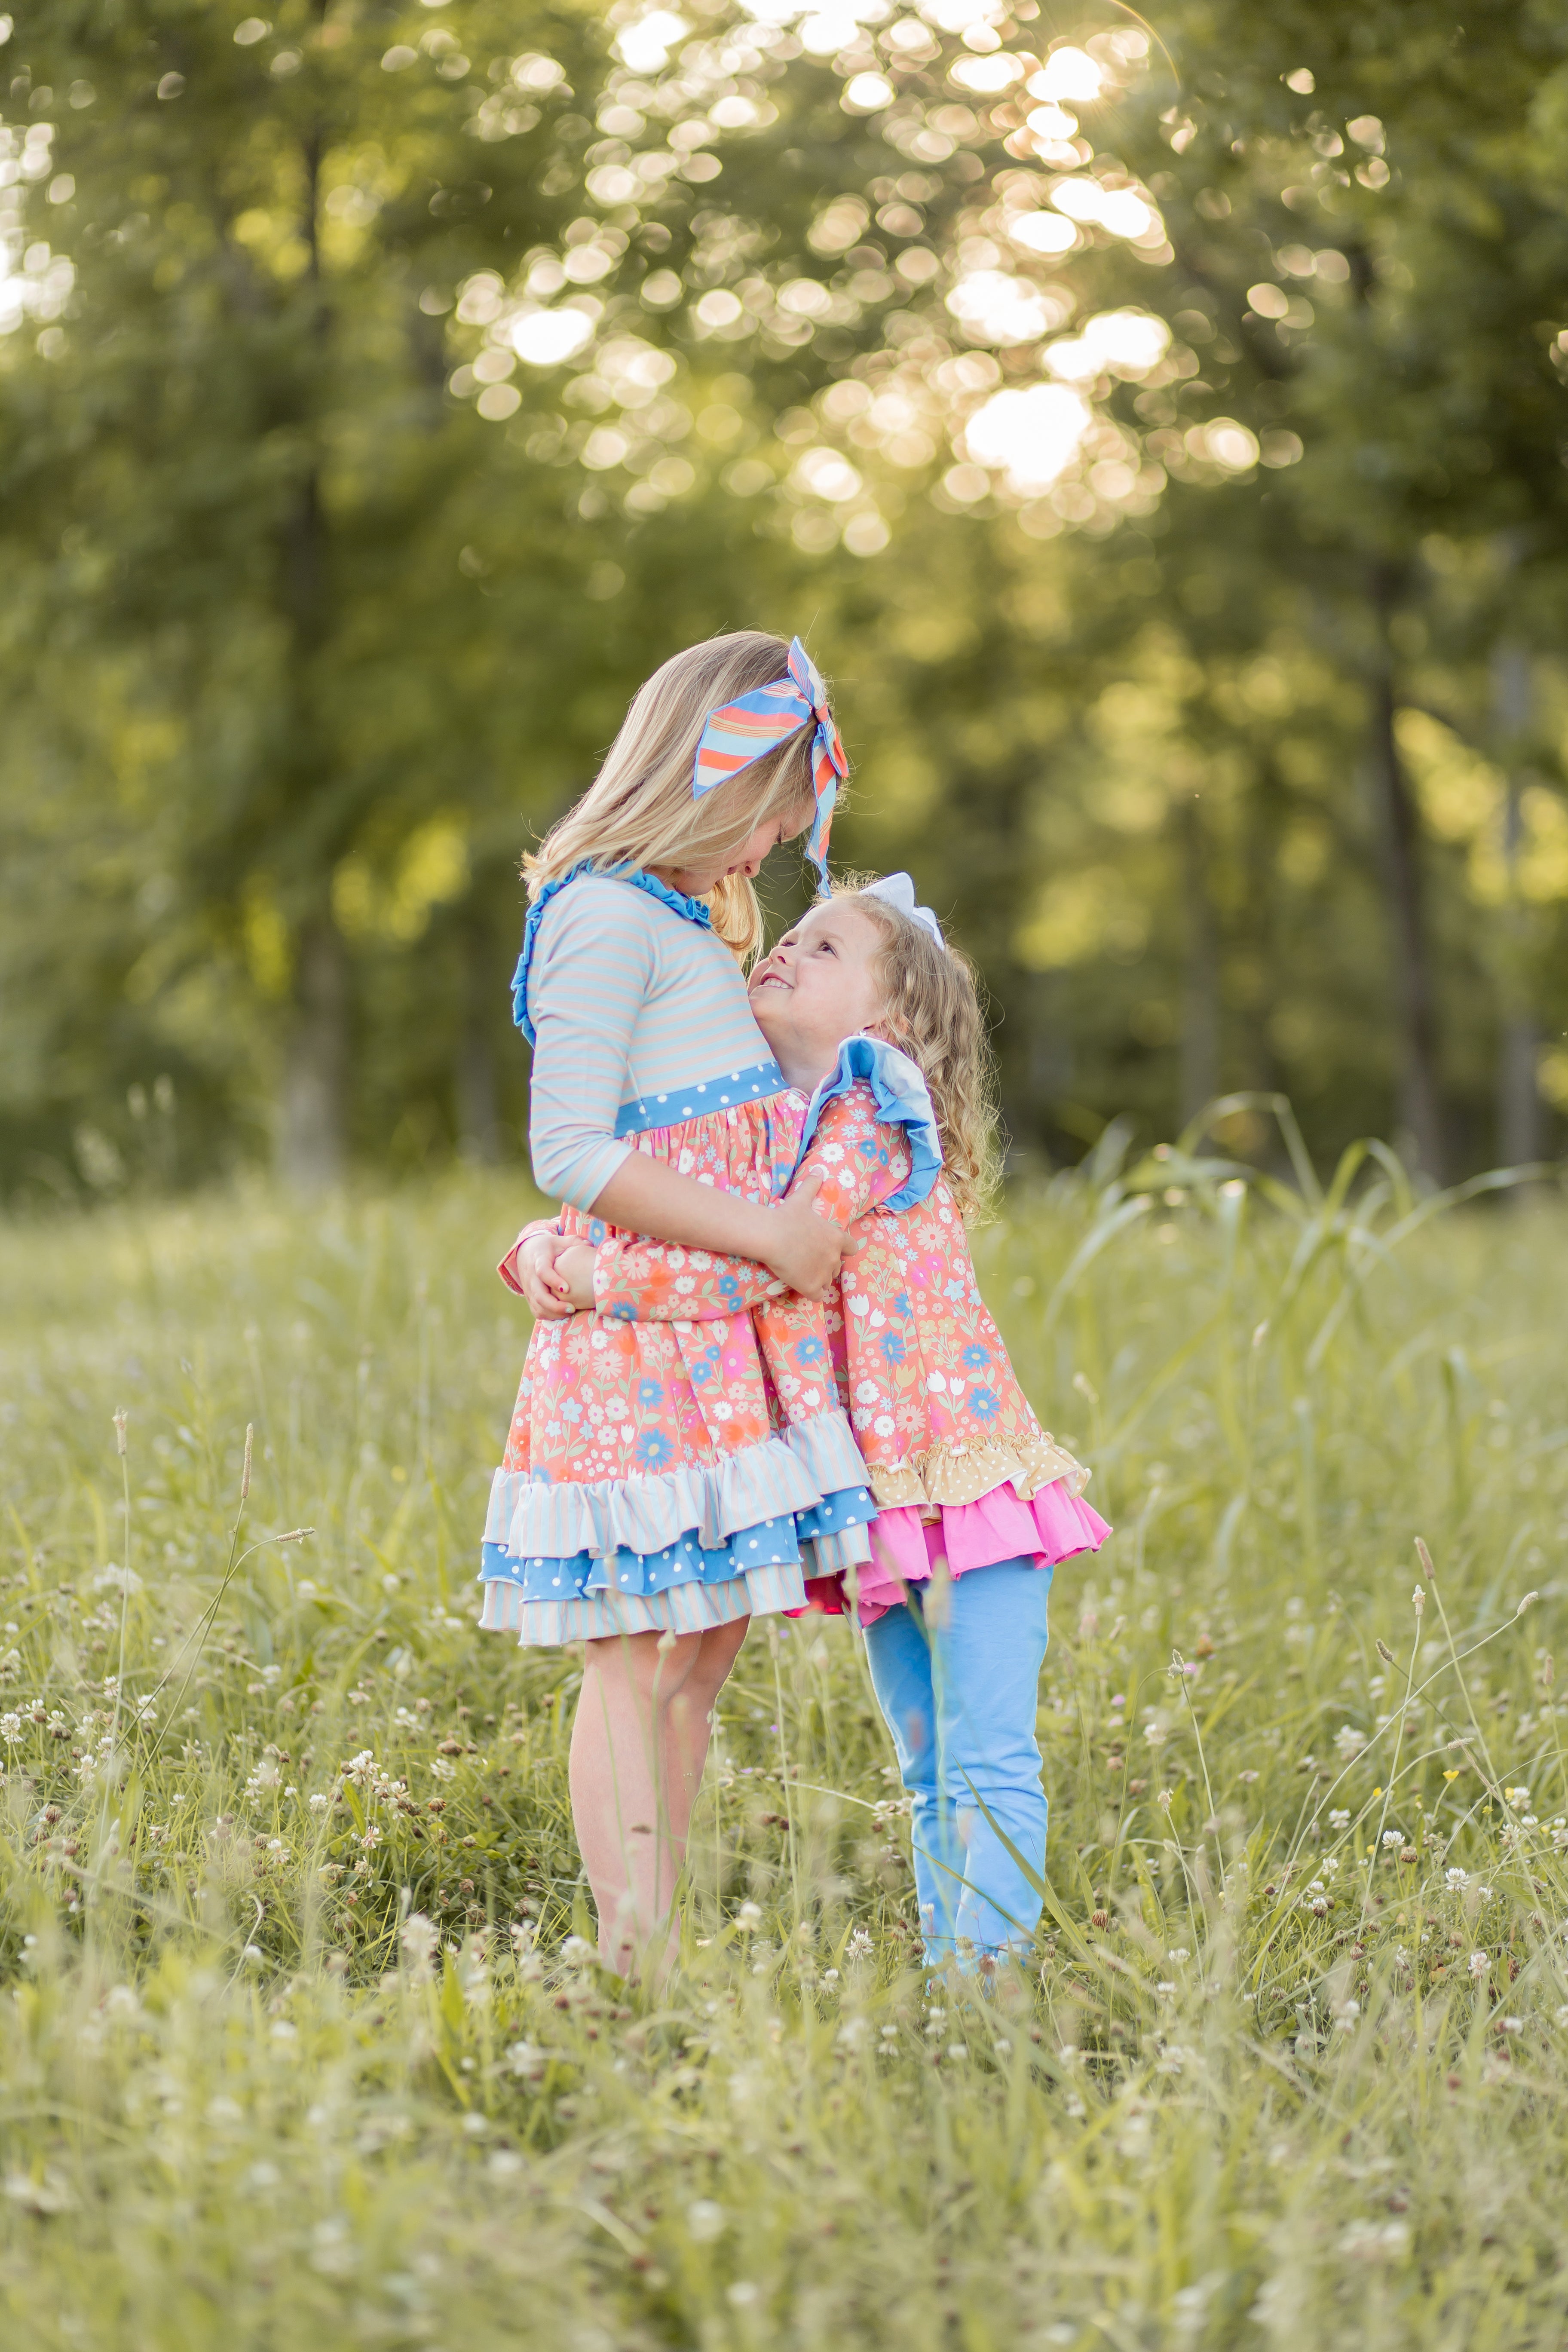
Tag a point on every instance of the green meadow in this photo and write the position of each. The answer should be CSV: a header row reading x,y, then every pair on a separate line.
x,y
300,2044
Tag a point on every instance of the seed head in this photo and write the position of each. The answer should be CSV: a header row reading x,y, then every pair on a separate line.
x,y
1525,1603
1385,1654
1418,1600
244,1473
120,1421
1547,1671
1424,1557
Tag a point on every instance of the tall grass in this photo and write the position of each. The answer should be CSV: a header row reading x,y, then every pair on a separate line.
x,y
301,2047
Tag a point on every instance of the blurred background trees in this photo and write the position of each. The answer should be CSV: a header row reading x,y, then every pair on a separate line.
x,y
1161,442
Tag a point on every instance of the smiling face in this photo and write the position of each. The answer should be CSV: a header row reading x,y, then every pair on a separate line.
x,y
819,986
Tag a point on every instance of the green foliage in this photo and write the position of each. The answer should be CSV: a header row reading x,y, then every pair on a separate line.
x,y
1235,748
1286,2067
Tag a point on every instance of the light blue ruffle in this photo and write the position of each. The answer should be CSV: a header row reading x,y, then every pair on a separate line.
x,y
771,1543
694,911
903,1100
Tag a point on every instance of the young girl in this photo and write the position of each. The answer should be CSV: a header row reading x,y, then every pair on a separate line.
x,y
646,1505
977,1502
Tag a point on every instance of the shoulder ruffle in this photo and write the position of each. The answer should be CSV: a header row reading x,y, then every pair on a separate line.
x,y
693,910
902,1099
945,1472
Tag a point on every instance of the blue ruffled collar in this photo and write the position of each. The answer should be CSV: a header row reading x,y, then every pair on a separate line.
x,y
902,1098
693,910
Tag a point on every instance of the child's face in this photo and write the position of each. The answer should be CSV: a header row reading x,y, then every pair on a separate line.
x,y
819,985
698,880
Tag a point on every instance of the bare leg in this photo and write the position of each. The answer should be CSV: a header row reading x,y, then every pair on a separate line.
x,y
638,1743
689,1723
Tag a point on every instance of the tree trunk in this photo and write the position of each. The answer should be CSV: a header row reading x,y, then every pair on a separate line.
x,y
312,1126
1420,1109
1519,1129
1200,976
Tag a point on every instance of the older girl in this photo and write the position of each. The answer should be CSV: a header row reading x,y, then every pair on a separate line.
x,y
645,1503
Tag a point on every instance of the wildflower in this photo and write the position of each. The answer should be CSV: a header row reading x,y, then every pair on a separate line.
x,y
1518,1798
748,1916
705,2219
1179,1953
576,1952
419,1937
1349,1740
371,1837
1418,1602
860,1947
1376,2241
1480,1965
1340,1818
1165,1798
1155,1734
1344,2013
1455,1879
1393,1837
1511,2024
319,1803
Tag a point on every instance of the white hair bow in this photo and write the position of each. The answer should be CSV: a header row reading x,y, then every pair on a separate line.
x,y
899,892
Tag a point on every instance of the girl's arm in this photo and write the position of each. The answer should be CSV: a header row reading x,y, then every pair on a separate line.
x,y
855,1161
594,963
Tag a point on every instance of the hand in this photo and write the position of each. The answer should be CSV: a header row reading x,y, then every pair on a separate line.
x,y
574,1267
804,1249
540,1276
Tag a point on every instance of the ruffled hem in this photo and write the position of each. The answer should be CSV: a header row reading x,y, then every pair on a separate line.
x,y
791,1475
1047,1528
688,1609
948,1474
832,1534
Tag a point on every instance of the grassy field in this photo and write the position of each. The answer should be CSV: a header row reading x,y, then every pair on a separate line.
x,y
297,2048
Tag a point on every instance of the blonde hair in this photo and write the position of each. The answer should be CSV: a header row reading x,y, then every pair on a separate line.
x,y
931,1010
638,811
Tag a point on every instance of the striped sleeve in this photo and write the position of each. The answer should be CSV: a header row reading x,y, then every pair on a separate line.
x,y
592,969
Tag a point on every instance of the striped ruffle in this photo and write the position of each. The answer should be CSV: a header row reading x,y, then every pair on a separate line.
x,y
685,1609
618,1551
784,1477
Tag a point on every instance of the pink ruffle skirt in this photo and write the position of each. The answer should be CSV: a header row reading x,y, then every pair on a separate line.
x,y
1053,1525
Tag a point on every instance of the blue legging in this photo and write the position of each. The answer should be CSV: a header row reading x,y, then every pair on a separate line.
x,y
959,1699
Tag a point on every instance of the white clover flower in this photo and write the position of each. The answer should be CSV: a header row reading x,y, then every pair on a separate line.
x,y
1480,1964
1392,1837
1340,1818
860,1947
1455,1879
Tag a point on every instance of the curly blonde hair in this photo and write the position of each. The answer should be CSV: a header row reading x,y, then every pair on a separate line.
x,y
640,811
932,1011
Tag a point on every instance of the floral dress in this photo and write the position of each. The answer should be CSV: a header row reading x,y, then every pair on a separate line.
x,y
961,1468
661,1476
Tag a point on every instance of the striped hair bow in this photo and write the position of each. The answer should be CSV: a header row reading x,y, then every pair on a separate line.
x,y
739,732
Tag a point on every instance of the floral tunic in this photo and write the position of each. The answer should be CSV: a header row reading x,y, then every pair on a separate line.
x,y
959,1466
656,1475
